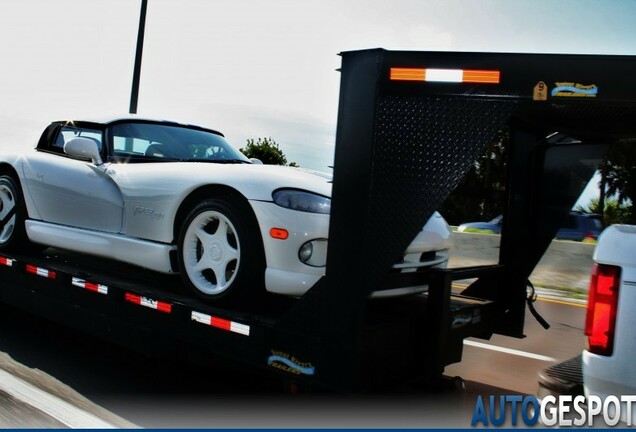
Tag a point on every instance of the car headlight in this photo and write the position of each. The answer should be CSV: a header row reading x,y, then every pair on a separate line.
x,y
295,199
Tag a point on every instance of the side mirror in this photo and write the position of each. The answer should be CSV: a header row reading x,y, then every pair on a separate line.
x,y
256,161
83,148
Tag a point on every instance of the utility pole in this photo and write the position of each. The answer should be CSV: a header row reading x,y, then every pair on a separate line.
x,y
134,95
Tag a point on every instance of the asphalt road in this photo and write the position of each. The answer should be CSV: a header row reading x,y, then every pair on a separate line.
x,y
518,370
121,386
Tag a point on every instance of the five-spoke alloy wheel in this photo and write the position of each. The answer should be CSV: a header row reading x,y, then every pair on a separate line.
x,y
220,250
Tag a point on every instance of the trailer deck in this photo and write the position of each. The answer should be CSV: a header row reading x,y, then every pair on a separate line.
x,y
155,314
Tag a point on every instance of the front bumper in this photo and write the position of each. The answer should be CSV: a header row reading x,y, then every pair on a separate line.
x,y
286,274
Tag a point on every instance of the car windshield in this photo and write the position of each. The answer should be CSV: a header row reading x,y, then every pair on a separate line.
x,y
161,142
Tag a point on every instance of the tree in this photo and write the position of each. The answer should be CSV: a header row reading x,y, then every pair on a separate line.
x,y
267,150
620,176
480,195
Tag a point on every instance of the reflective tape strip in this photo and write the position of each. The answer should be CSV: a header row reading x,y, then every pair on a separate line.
x,y
40,271
481,76
6,261
443,75
221,323
98,288
149,303
446,75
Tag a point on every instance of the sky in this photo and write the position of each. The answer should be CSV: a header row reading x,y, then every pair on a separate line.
x,y
253,68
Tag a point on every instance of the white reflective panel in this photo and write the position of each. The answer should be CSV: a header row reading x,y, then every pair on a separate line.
x,y
444,75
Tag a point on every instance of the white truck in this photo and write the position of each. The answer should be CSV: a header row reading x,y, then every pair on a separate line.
x,y
610,326
605,370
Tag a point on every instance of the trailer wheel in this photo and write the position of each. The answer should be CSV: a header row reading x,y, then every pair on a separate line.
x,y
221,252
12,216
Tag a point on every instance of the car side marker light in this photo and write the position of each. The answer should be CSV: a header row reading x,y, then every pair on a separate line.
x,y
446,75
279,233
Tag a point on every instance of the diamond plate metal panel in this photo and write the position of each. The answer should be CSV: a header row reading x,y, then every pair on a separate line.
x,y
423,148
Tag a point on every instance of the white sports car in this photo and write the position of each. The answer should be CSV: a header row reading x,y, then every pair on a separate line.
x,y
179,198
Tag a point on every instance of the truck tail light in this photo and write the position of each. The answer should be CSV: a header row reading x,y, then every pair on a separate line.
x,y
600,323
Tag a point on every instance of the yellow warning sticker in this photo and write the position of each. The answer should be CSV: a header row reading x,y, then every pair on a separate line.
x,y
540,92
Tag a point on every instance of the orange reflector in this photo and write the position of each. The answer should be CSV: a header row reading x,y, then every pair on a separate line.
x,y
481,76
279,233
402,74
446,75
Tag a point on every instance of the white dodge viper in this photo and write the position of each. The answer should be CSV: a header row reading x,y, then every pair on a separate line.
x,y
179,198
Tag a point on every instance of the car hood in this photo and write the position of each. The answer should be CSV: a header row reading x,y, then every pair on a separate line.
x,y
256,182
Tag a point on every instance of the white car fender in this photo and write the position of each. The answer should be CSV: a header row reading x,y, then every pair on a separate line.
x,y
153,192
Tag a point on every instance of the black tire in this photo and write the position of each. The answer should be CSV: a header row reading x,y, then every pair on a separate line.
x,y
12,216
220,252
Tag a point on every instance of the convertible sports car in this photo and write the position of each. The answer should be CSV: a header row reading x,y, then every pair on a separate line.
x,y
179,198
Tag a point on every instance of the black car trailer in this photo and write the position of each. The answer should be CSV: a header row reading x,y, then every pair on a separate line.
x,y
410,125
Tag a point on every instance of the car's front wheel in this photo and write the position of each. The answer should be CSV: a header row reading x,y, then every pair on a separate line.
x,y
221,251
